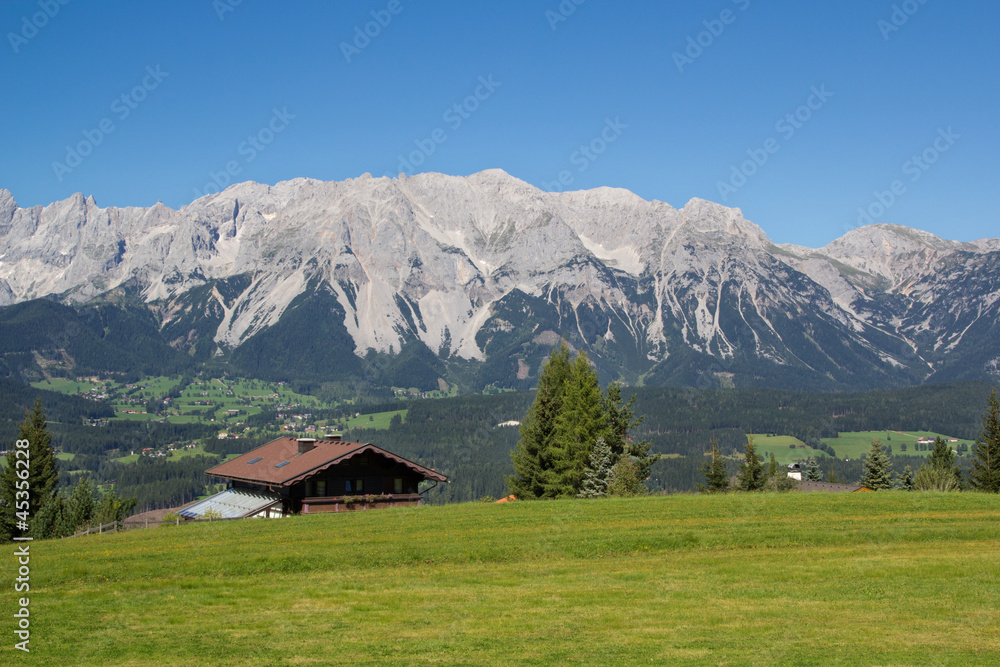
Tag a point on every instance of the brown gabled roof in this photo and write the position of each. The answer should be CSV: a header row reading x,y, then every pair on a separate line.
x,y
261,465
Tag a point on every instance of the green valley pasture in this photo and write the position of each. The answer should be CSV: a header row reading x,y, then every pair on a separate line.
x,y
800,579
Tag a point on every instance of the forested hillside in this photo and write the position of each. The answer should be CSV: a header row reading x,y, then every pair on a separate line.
x,y
460,436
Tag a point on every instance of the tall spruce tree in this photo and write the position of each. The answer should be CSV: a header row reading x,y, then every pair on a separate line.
x,y
716,475
752,475
533,457
42,477
876,468
578,425
985,473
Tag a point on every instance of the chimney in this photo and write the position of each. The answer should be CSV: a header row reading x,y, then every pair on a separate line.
x,y
305,444
333,437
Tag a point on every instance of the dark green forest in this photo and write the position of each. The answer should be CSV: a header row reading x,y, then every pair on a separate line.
x,y
460,436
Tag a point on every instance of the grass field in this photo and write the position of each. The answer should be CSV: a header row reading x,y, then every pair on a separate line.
x,y
64,385
805,579
782,446
853,444
375,420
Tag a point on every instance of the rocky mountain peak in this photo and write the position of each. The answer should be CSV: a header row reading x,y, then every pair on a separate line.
x,y
466,264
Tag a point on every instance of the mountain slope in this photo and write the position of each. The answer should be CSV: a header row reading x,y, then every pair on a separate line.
x,y
486,273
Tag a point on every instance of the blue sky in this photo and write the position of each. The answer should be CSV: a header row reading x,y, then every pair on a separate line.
x,y
669,100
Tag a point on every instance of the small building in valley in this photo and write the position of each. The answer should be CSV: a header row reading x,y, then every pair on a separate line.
x,y
309,475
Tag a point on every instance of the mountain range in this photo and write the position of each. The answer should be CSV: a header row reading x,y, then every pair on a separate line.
x,y
436,281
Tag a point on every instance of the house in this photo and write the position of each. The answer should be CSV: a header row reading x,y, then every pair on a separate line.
x,y
795,471
308,476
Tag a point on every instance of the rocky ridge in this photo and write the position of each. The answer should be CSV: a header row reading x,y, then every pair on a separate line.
x,y
479,268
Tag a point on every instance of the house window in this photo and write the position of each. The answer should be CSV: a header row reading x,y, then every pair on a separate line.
x,y
359,485
397,485
321,487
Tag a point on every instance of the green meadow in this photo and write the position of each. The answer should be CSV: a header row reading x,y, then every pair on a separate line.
x,y
65,385
853,444
375,420
786,448
887,578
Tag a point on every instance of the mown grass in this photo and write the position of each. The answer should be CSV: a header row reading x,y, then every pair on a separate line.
x,y
806,579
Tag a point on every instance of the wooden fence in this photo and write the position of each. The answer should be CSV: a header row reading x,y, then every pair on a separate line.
x,y
116,526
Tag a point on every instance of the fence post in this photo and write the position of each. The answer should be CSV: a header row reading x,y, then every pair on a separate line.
x,y
178,519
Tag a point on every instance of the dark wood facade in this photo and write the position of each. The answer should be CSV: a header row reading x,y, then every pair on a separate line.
x,y
329,475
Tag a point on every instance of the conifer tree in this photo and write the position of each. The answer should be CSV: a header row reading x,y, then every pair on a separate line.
x,y
906,482
716,475
42,479
772,467
578,425
813,473
621,420
939,471
533,457
985,473
876,471
751,476
598,473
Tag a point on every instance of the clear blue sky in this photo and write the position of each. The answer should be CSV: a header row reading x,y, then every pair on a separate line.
x,y
226,66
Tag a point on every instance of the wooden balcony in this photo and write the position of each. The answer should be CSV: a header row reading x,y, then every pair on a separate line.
x,y
361,501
